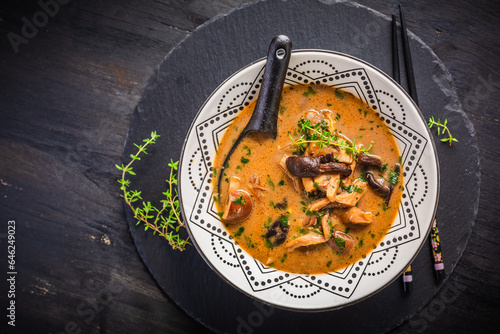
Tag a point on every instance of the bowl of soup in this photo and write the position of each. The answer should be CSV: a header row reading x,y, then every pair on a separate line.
x,y
332,210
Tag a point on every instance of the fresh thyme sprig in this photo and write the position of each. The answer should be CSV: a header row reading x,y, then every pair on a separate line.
x,y
441,129
165,220
318,134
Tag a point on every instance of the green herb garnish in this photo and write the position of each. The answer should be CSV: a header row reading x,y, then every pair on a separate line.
x,y
269,243
317,231
270,183
239,201
352,188
442,128
339,242
284,257
239,232
284,219
339,94
320,135
393,177
310,91
302,231
166,220
249,242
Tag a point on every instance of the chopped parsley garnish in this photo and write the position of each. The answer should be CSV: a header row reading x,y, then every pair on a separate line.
x,y
339,242
317,231
239,201
269,243
239,232
303,231
284,219
284,257
244,160
249,152
393,177
339,95
249,242
352,188
310,91
270,183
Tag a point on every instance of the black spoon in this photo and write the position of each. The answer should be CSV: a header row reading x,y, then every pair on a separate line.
x,y
265,115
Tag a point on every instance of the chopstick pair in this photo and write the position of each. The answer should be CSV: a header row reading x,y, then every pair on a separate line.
x,y
412,90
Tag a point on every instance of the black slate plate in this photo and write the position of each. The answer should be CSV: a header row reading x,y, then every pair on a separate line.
x,y
188,75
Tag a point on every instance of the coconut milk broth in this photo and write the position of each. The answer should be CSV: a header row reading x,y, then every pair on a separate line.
x,y
258,154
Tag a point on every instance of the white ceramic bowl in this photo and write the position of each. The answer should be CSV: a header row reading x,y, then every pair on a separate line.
x,y
358,281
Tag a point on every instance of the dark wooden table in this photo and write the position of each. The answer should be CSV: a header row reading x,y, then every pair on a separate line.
x,y
68,88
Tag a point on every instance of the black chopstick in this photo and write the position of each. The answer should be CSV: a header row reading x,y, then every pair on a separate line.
x,y
395,52
407,276
412,88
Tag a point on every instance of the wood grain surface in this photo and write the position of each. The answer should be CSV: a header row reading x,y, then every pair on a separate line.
x,y
68,89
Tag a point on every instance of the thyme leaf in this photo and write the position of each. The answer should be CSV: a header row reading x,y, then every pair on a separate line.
x,y
318,134
166,220
442,129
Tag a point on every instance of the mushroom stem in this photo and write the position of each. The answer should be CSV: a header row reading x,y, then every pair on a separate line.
x,y
375,184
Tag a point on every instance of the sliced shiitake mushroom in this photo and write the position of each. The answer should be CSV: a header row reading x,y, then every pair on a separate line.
x,y
238,207
278,229
341,242
378,185
239,203
370,160
312,166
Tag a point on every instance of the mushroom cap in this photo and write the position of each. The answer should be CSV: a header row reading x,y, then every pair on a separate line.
x,y
238,207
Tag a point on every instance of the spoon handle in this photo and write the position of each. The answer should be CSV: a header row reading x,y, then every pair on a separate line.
x,y
265,115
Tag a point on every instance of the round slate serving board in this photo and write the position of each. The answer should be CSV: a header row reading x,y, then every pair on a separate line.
x,y
192,70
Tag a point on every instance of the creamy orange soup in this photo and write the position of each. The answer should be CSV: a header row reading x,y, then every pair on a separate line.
x,y
312,244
